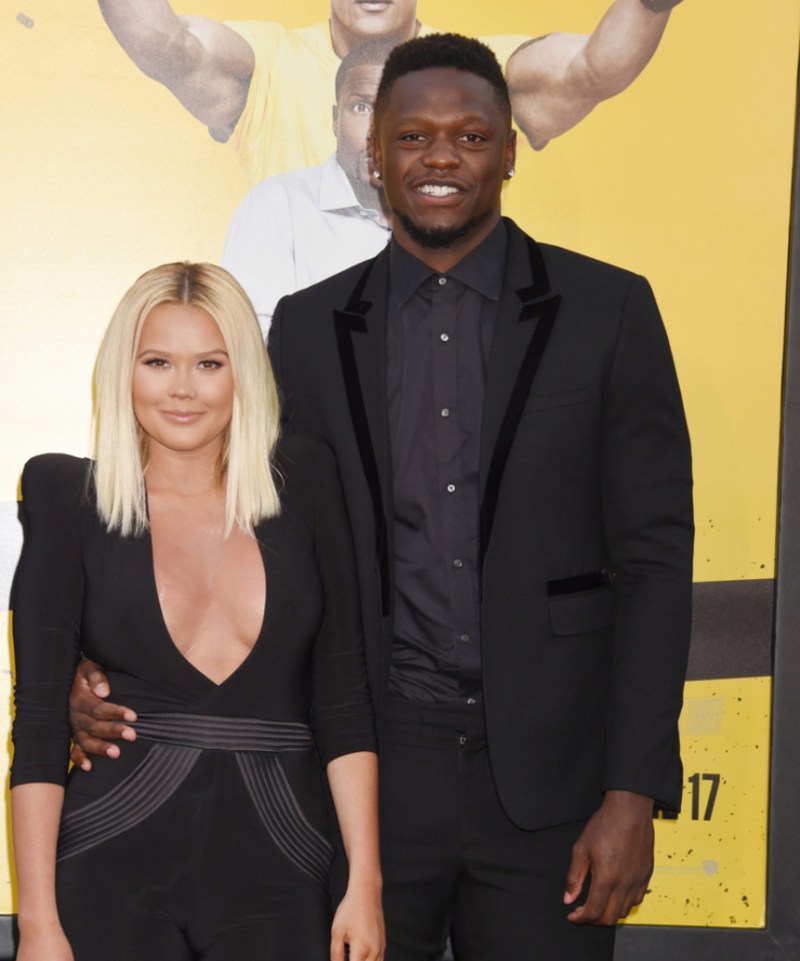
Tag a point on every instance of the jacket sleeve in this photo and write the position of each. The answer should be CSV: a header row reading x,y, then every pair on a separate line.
x,y
46,602
341,709
647,510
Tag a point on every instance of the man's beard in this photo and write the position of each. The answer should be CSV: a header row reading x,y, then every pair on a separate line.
x,y
436,237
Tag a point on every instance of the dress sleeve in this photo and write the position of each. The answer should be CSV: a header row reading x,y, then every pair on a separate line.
x,y
46,602
341,713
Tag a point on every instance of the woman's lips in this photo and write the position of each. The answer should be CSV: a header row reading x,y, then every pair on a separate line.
x,y
181,416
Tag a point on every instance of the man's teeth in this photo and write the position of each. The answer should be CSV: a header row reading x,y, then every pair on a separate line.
x,y
437,190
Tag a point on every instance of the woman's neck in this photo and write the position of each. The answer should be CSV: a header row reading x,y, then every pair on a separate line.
x,y
182,473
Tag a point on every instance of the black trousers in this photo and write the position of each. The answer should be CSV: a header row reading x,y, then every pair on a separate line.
x,y
452,860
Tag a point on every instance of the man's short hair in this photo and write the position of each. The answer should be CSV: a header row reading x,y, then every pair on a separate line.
x,y
373,53
442,50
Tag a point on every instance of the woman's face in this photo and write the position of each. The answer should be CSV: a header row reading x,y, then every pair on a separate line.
x,y
182,380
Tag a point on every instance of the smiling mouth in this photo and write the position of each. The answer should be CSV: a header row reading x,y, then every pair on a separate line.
x,y
438,190
374,5
182,416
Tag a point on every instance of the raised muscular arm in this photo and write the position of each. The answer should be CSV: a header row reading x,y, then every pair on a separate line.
x,y
205,64
559,79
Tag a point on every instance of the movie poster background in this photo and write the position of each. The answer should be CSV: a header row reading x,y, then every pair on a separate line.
x,y
684,178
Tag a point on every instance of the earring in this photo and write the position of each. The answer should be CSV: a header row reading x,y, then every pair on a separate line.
x,y
376,174
510,172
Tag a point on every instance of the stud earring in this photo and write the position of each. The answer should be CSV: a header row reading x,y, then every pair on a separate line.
x,y
510,172
376,174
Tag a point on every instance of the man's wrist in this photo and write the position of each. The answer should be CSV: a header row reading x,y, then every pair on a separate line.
x,y
660,6
628,799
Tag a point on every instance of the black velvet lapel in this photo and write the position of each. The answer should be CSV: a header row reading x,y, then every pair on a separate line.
x,y
519,343
362,354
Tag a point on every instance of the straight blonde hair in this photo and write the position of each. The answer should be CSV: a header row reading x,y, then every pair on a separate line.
x,y
121,446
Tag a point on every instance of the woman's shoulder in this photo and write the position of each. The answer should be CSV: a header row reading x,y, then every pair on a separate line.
x,y
307,471
56,479
304,454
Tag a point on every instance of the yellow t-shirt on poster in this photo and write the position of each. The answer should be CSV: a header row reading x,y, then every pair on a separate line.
x,y
286,123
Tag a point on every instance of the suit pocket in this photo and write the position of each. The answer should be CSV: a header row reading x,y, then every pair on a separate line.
x,y
582,613
564,398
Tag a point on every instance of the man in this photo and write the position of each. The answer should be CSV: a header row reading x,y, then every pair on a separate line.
x,y
300,227
266,89
514,455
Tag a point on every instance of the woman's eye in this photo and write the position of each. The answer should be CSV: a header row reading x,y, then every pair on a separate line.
x,y
209,364
157,362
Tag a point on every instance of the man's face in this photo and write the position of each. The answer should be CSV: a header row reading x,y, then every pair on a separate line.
x,y
373,19
443,148
352,118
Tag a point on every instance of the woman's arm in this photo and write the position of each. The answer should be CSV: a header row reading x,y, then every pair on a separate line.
x,y
353,780
35,815
47,601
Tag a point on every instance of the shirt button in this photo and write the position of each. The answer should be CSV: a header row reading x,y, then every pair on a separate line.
x,y
445,412
462,740
444,337
471,700
465,638
451,488
457,563
442,281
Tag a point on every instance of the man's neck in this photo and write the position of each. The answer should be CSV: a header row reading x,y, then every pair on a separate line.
x,y
442,259
344,40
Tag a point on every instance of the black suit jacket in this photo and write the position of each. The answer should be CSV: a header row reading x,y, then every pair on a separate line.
x,y
586,516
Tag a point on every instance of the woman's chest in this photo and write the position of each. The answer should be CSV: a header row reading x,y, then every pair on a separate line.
x,y
135,589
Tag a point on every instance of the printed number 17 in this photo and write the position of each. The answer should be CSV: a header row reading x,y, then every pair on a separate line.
x,y
694,780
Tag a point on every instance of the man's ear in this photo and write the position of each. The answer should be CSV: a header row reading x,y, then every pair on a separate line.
x,y
335,118
373,149
511,150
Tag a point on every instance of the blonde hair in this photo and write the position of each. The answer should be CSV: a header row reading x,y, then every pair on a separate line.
x,y
120,443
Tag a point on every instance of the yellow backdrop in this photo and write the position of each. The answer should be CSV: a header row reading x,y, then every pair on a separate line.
x,y
684,178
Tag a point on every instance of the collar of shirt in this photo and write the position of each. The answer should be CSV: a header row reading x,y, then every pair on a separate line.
x,y
336,193
482,269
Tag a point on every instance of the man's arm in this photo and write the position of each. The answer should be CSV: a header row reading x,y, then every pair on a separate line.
x,y
205,64
559,79
646,488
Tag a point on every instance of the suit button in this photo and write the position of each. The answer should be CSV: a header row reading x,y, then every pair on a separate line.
x,y
465,638
457,563
471,700
462,740
451,488
444,337
445,412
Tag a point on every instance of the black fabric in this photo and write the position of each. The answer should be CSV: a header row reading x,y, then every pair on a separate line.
x,y
598,475
438,338
450,853
199,880
80,589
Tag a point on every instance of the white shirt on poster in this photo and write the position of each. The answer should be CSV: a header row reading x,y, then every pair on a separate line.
x,y
295,230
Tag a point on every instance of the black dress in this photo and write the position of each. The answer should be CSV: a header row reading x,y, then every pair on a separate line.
x,y
208,838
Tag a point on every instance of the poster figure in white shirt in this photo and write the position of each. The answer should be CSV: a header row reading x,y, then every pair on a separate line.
x,y
300,227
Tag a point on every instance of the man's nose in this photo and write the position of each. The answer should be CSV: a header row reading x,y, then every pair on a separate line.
x,y
442,154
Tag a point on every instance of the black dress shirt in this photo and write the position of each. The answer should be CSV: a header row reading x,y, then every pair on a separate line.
x,y
439,334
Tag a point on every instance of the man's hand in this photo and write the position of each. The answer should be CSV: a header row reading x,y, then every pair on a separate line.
x,y
94,719
617,847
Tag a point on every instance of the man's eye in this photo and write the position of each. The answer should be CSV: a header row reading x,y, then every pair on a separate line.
x,y
473,138
362,107
413,137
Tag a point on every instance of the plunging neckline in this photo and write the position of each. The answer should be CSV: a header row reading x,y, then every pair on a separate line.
x,y
163,621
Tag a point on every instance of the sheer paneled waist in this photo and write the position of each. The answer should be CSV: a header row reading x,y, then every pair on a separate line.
x,y
180,739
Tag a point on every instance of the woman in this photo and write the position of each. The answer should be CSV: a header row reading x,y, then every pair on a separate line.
x,y
224,606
